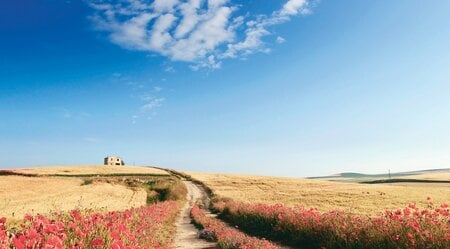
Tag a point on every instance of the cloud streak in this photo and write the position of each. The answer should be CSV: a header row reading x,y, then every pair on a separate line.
x,y
152,104
202,32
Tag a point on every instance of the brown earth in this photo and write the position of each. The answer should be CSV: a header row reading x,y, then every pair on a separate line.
x,y
187,234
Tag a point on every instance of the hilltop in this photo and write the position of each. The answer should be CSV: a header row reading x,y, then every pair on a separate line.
x,y
429,175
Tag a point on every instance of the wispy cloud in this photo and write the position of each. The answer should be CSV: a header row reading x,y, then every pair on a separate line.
x,y
169,69
134,119
203,32
152,104
280,40
147,93
68,114
91,139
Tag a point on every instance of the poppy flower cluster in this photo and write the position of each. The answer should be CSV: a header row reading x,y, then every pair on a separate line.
x,y
227,237
143,227
410,227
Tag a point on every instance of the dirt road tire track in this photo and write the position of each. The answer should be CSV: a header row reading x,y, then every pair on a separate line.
x,y
187,234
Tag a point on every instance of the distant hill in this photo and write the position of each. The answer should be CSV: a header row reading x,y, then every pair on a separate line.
x,y
429,174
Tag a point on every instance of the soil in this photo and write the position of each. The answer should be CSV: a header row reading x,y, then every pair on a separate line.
x,y
187,234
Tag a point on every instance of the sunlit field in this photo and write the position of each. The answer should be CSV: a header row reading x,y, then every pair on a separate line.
x,y
62,188
324,214
324,195
322,124
89,206
91,170
31,195
442,176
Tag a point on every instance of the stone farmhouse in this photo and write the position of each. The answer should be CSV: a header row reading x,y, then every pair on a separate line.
x,y
113,160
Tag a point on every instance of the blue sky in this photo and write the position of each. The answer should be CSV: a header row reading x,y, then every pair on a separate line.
x,y
288,87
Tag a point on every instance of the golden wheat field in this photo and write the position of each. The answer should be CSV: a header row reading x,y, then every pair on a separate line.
x,y
91,170
30,195
441,176
324,195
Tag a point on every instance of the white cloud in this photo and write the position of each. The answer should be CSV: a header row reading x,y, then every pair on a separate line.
x,y
292,7
257,29
144,92
169,69
163,5
134,119
152,104
203,32
91,139
66,113
280,40
149,106
190,19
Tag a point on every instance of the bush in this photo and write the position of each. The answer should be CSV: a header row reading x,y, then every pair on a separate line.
x,y
87,182
168,190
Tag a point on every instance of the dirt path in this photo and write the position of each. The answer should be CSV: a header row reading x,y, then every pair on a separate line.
x,y
187,234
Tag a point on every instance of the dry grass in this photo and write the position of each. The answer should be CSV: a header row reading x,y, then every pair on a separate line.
x,y
442,176
324,195
91,170
21,195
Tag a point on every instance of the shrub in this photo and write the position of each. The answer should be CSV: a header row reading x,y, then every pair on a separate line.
x,y
87,182
168,190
